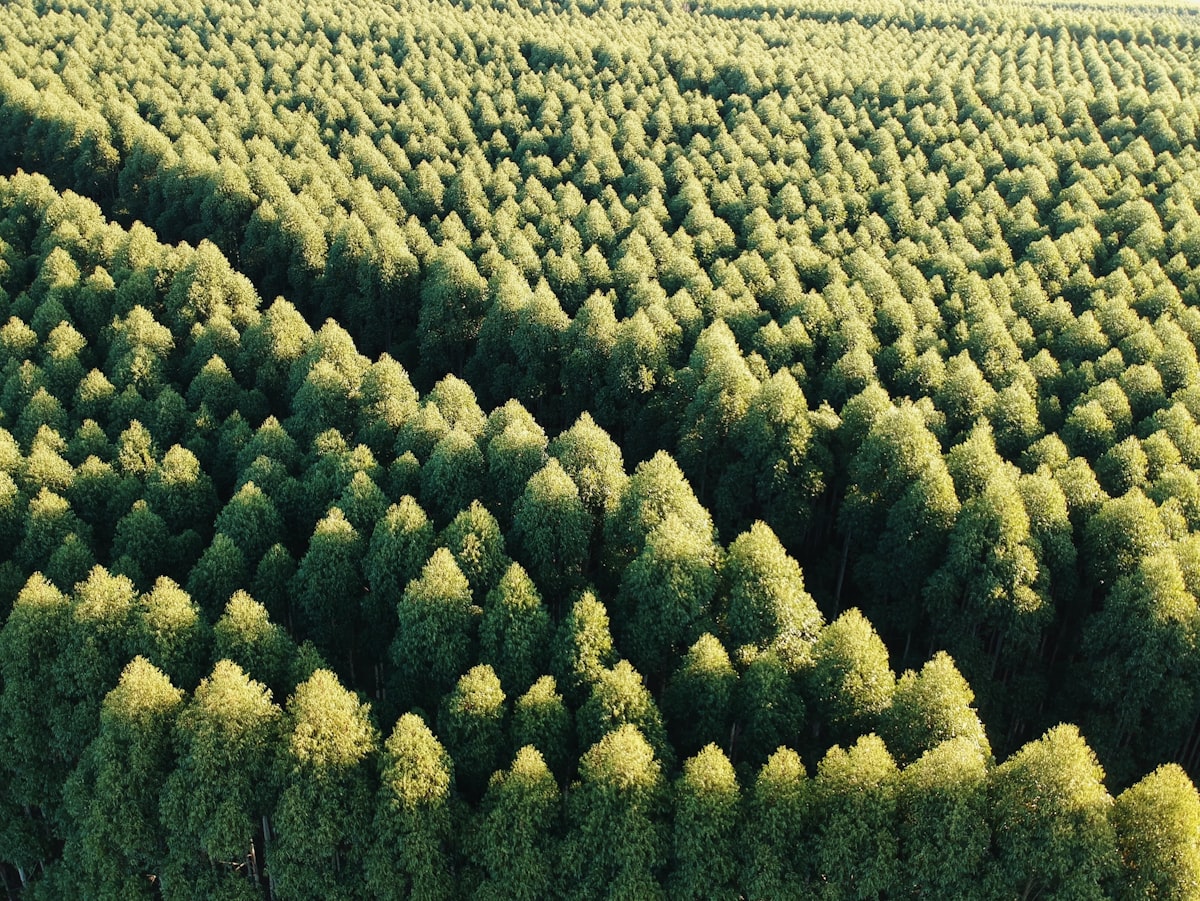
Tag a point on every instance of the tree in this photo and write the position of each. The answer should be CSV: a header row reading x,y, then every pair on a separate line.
x,y
618,697
778,473
515,629
452,474
34,704
113,796
855,803
541,719
851,682
698,699
1049,814
666,593
941,821
222,787
220,572
583,647
656,489
453,302
246,635
552,531
326,802
516,843
593,461
251,521
401,542
766,595
179,639
720,386
410,854
707,814
615,844
472,720
778,821
436,631
327,588
929,708
1156,823
1139,657
516,449
477,543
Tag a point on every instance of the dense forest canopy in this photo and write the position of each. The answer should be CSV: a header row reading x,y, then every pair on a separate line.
x,y
566,450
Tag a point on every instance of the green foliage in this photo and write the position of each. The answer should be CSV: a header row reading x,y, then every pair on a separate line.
x,y
707,809
515,847
472,720
514,631
325,805
615,845
1155,822
410,851
1050,819
436,632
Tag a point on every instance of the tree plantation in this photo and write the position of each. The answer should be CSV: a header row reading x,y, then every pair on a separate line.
x,y
690,450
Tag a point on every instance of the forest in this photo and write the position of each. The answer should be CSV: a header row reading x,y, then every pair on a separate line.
x,y
570,449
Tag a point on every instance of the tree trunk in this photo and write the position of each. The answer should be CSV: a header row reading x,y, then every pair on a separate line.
x,y
837,595
266,825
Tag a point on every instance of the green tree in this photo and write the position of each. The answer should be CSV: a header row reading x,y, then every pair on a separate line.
x,y
779,820
1156,823
698,699
552,531
220,572
766,595
516,842
619,696
941,822
477,543
451,476
851,682
410,852
246,635
473,720
855,800
113,796
179,639
707,817
328,586
222,787
594,462
583,647
326,803
433,643
541,719
615,844
929,708
515,630
1049,813
401,542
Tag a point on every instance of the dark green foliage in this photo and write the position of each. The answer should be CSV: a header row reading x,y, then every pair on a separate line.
x,y
436,633
472,721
